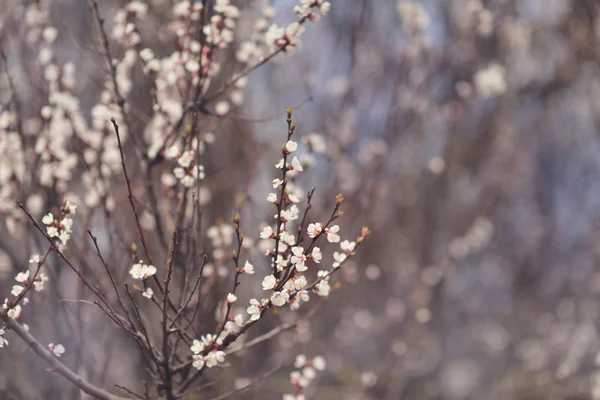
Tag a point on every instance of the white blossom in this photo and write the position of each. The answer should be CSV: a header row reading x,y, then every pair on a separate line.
x,y
17,290
58,349
22,277
254,310
266,232
314,230
14,312
142,271
298,258
269,282
332,235
348,246
280,298
248,269
48,219
317,255
291,146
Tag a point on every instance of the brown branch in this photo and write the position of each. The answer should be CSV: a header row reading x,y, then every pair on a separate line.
x,y
168,383
58,366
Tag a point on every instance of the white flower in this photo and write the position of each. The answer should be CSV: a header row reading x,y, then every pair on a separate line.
x,y
38,285
296,165
146,54
222,108
325,7
291,214
276,183
316,142
239,320
280,298
22,277
300,361
266,232
70,208
35,258
323,288
339,258
248,269
49,34
309,373
231,298
148,293
269,282
192,66
142,271
314,230
317,255
186,159
214,357
490,81
332,235
198,361
46,112
52,231
348,246
172,152
3,341
319,363
47,219
58,350
298,380
14,312
254,310
182,9
272,198
302,295
179,172
188,181
197,346
64,237
291,146
298,258
17,290
67,224
300,282
287,238
281,262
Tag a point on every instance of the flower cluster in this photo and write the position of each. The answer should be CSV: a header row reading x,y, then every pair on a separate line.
x,y
204,352
221,238
187,172
23,279
306,372
61,227
142,272
256,308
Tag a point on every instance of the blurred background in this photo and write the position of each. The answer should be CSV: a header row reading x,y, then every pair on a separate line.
x,y
464,133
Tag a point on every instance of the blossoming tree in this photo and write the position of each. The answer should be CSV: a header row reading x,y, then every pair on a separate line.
x,y
65,173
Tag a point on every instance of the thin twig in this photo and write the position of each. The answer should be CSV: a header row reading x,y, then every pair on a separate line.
x,y
58,366
168,383
249,385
